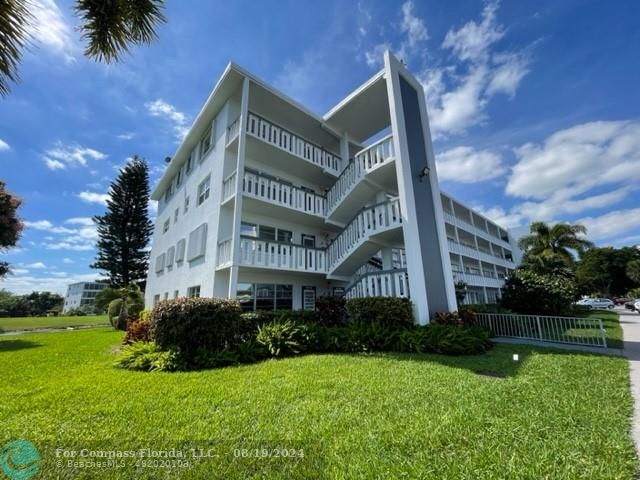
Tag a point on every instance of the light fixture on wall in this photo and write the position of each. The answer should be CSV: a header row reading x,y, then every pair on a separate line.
x,y
423,173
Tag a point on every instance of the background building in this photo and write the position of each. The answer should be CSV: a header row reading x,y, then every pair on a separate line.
x,y
81,295
270,203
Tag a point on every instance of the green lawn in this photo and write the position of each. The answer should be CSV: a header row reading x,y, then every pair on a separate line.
x,y
556,414
30,323
612,326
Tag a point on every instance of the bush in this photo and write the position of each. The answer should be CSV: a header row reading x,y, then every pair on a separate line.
x,y
138,330
148,357
445,339
262,317
193,325
284,338
384,311
485,308
463,318
331,311
74,312
530,293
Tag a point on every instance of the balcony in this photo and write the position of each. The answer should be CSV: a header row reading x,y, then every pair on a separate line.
x,y
387,283
281,256
472,252
282,194
287,149
371,171
233,131
228,187
453,220
374,227
477,279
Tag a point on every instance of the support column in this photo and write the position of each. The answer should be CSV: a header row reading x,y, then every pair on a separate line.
x,y
237,207
425,239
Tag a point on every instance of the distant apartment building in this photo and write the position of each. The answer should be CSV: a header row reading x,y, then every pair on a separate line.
x,y
269,203
82,295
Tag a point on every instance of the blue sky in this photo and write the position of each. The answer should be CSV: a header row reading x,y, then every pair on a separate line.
x,y
533,106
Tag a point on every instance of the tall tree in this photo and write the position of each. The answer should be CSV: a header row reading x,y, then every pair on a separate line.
x,y
559,240
110,28
604,270
633,270
10,224
125,229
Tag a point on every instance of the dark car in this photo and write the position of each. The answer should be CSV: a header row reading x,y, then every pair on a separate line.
x,y
630,305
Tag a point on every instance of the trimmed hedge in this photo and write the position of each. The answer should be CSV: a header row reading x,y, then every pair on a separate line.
x,y
384,311
529,293
331,311
194,325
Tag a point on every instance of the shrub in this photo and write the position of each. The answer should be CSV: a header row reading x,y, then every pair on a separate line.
x,y
531,293
385,311
331,311
485,308
193,325
147,356
262,317
284,338
463,318
138,330
445,339
74,312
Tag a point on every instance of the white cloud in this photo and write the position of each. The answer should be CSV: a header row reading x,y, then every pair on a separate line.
x,y
22,284
61,156
466,165
612,224
85,221
375,56
50,30
94,197
126,136
4,146
472,41
19,271
501,216
69,245
510,69
67,260
160,108
35,265
573,161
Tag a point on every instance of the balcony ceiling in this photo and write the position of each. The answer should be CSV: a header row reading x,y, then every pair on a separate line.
x,y
364,112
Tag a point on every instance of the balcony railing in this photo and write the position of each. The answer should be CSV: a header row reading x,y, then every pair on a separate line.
x,y
228,187
472,252
386,283
478,279
224,253
364,161
369,221
293,144
281,255
279,192
233,130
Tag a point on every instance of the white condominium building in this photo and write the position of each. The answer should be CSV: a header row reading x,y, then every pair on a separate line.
x,y
270,203
82,295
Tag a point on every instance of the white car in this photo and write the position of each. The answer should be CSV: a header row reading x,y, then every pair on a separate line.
x,y
637,306
596,303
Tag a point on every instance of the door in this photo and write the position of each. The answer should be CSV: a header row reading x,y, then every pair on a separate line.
x,y
309,241
309,298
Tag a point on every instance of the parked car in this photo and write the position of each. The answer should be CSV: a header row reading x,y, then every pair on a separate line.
x,y
622,300
637,306
596,303
631,304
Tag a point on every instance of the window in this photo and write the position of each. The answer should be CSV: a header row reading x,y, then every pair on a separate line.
x,y
190,160
175,215
284,236
249,229
180,248
156,299
197,243
193,291
167,224
169,193
264,296
176,293
203,189
186,204
205,143
166,295
160,262
179,177
308,241
266,233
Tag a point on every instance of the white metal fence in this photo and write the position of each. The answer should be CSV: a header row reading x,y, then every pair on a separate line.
x,y
571,330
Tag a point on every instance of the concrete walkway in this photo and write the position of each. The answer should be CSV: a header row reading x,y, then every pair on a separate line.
x,y
630,322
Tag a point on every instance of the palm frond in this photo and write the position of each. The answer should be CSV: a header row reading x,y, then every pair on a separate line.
x,y
14,20
143,16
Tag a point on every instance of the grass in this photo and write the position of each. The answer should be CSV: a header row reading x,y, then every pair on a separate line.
x,y
611,323
555,414
31,323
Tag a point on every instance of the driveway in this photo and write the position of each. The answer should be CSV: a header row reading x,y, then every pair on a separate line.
x,y
630,322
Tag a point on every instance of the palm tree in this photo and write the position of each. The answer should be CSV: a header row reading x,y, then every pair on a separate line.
x,y
110,28
559,241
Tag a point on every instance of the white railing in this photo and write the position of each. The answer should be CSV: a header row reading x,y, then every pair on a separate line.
x,y
399,258
271,254
472,229
278,192
478,279
224,253
369,221
572,330
472,252
366,160
289,142
233,130
385,283
229,187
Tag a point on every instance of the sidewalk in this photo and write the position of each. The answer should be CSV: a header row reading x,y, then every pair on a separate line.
x,y
630,323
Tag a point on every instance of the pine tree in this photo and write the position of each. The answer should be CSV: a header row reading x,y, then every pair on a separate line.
x,y
125,229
